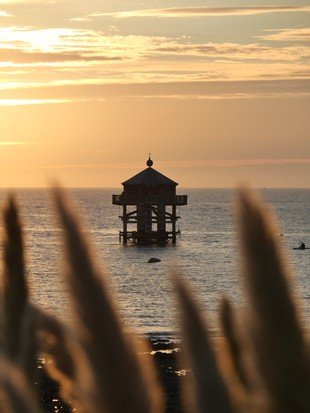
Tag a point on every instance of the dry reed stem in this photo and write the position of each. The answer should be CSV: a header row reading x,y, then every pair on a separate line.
x,y
19,338
117,373
15,291
235,345
15,394
209,390
280,349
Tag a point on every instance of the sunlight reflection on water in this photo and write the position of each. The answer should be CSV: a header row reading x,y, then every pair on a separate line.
x,y
207,253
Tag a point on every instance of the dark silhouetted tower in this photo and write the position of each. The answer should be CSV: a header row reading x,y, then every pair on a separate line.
x,y
146,199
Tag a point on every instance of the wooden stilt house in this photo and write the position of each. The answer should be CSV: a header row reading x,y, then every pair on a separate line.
x,y
149,203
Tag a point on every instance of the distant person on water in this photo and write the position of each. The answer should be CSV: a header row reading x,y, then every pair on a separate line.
x,y
302,246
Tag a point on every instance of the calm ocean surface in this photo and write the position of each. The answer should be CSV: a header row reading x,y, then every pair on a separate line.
x,y
207,252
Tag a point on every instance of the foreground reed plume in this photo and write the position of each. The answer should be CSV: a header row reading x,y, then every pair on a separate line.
x,y
100,366
107,351
15,292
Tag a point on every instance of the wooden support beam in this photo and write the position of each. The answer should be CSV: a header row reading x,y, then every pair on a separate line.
x,y
174,235
131,213
124,224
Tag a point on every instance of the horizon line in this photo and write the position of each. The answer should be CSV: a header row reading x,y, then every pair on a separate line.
x,y
236,187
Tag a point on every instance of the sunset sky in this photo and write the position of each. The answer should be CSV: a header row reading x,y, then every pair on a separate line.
x,y
218,92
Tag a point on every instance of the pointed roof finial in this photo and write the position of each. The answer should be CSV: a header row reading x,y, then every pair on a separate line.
x,y
149,161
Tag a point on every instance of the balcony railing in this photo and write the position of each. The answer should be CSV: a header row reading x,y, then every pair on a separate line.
x,y
129,199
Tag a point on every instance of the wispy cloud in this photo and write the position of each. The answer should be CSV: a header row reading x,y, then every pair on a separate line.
x,y
14,143
217,163
203,11
235,163
4,13
83,58
148,47
21,56
299,35
212,90
13,2
224,96
54,44
252,51
23,102
88,166
58,46
80,19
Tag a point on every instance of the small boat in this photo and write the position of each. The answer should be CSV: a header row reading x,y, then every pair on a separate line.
x,y
301,247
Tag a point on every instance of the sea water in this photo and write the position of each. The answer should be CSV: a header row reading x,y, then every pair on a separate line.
x,y
207,253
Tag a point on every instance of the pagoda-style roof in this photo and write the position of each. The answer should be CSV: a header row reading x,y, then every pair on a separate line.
x,y
150,177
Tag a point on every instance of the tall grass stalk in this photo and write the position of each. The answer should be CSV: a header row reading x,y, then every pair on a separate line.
x,y
209,393
110,354
279,345
15,292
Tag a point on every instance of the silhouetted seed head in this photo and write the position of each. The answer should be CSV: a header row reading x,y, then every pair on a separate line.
x,y
109,352
279,347
209,390
234,341
15,290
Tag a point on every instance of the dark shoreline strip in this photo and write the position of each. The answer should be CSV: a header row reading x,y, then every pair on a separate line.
x,y
165,354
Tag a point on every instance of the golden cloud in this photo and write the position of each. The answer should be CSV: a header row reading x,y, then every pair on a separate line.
x,y
57,57
295,35
203,11
26,45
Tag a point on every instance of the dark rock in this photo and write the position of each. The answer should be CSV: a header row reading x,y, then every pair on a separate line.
x,y
153,259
